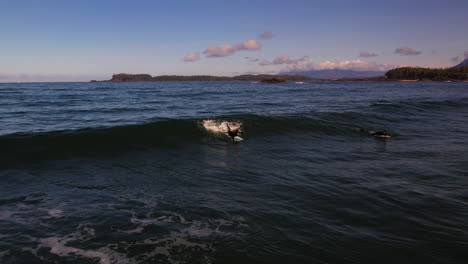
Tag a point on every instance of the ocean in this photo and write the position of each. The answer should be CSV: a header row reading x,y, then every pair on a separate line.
x,y
143,173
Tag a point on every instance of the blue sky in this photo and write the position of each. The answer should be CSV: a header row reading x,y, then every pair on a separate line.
x,y
81,40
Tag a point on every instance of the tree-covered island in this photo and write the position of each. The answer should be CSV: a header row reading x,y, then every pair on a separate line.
x,y
428,74
125,77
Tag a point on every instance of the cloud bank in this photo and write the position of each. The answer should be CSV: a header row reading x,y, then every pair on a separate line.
x,y
225,50
228,50
307,64
366,54
356,65
266,35
282,60
220,51
466,55
192,56
407,51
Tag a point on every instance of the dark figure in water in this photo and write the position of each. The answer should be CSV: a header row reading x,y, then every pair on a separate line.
x,y
382,133
233,133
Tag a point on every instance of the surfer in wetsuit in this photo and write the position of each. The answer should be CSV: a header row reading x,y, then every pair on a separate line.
x,y
233,133
382,133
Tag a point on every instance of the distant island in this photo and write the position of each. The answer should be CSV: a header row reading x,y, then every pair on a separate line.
x,y
125,77
455,73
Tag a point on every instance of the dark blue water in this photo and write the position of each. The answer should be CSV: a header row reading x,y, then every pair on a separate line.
x,y
128,173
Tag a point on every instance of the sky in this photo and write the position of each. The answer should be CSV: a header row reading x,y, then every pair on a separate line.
x,y
52,40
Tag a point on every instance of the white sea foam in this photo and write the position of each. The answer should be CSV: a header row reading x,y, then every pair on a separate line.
x,y
15,217
186,236
165,246
194,228
58,246
55,213
217,126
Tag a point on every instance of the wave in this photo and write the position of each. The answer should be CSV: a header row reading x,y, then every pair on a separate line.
x,y
30,147
27,147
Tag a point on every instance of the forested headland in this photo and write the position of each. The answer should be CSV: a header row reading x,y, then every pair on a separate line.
x,y
428,74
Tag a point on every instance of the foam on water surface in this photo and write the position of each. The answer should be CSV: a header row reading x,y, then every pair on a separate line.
x,y
219,126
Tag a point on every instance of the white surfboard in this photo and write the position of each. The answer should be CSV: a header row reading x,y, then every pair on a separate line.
x,y
237,138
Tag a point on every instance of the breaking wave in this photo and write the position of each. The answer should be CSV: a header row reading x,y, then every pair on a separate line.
x,y
30,147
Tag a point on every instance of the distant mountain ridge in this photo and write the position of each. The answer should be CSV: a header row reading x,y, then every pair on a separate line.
x,y
461,64
337,73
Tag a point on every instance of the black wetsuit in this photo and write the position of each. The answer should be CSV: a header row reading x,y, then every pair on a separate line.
x,y
381,133
231,133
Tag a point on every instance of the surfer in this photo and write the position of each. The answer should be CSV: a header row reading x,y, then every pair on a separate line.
x,y
382,133
234,134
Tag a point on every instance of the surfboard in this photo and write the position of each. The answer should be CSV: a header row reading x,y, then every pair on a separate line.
x,y
382,136
237,138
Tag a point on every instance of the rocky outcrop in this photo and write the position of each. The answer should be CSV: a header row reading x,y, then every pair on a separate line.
x,y
274,80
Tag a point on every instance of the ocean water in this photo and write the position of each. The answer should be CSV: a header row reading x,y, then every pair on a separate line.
x,y
142,173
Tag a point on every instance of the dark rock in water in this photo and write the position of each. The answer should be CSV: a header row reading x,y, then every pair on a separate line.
x,y
274,80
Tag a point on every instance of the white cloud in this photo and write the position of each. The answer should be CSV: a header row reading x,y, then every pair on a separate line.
x,y
228,50
466,55
407,51
250,44
366,54
357,65
220,51
192,56
282,60
266,35
286,60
